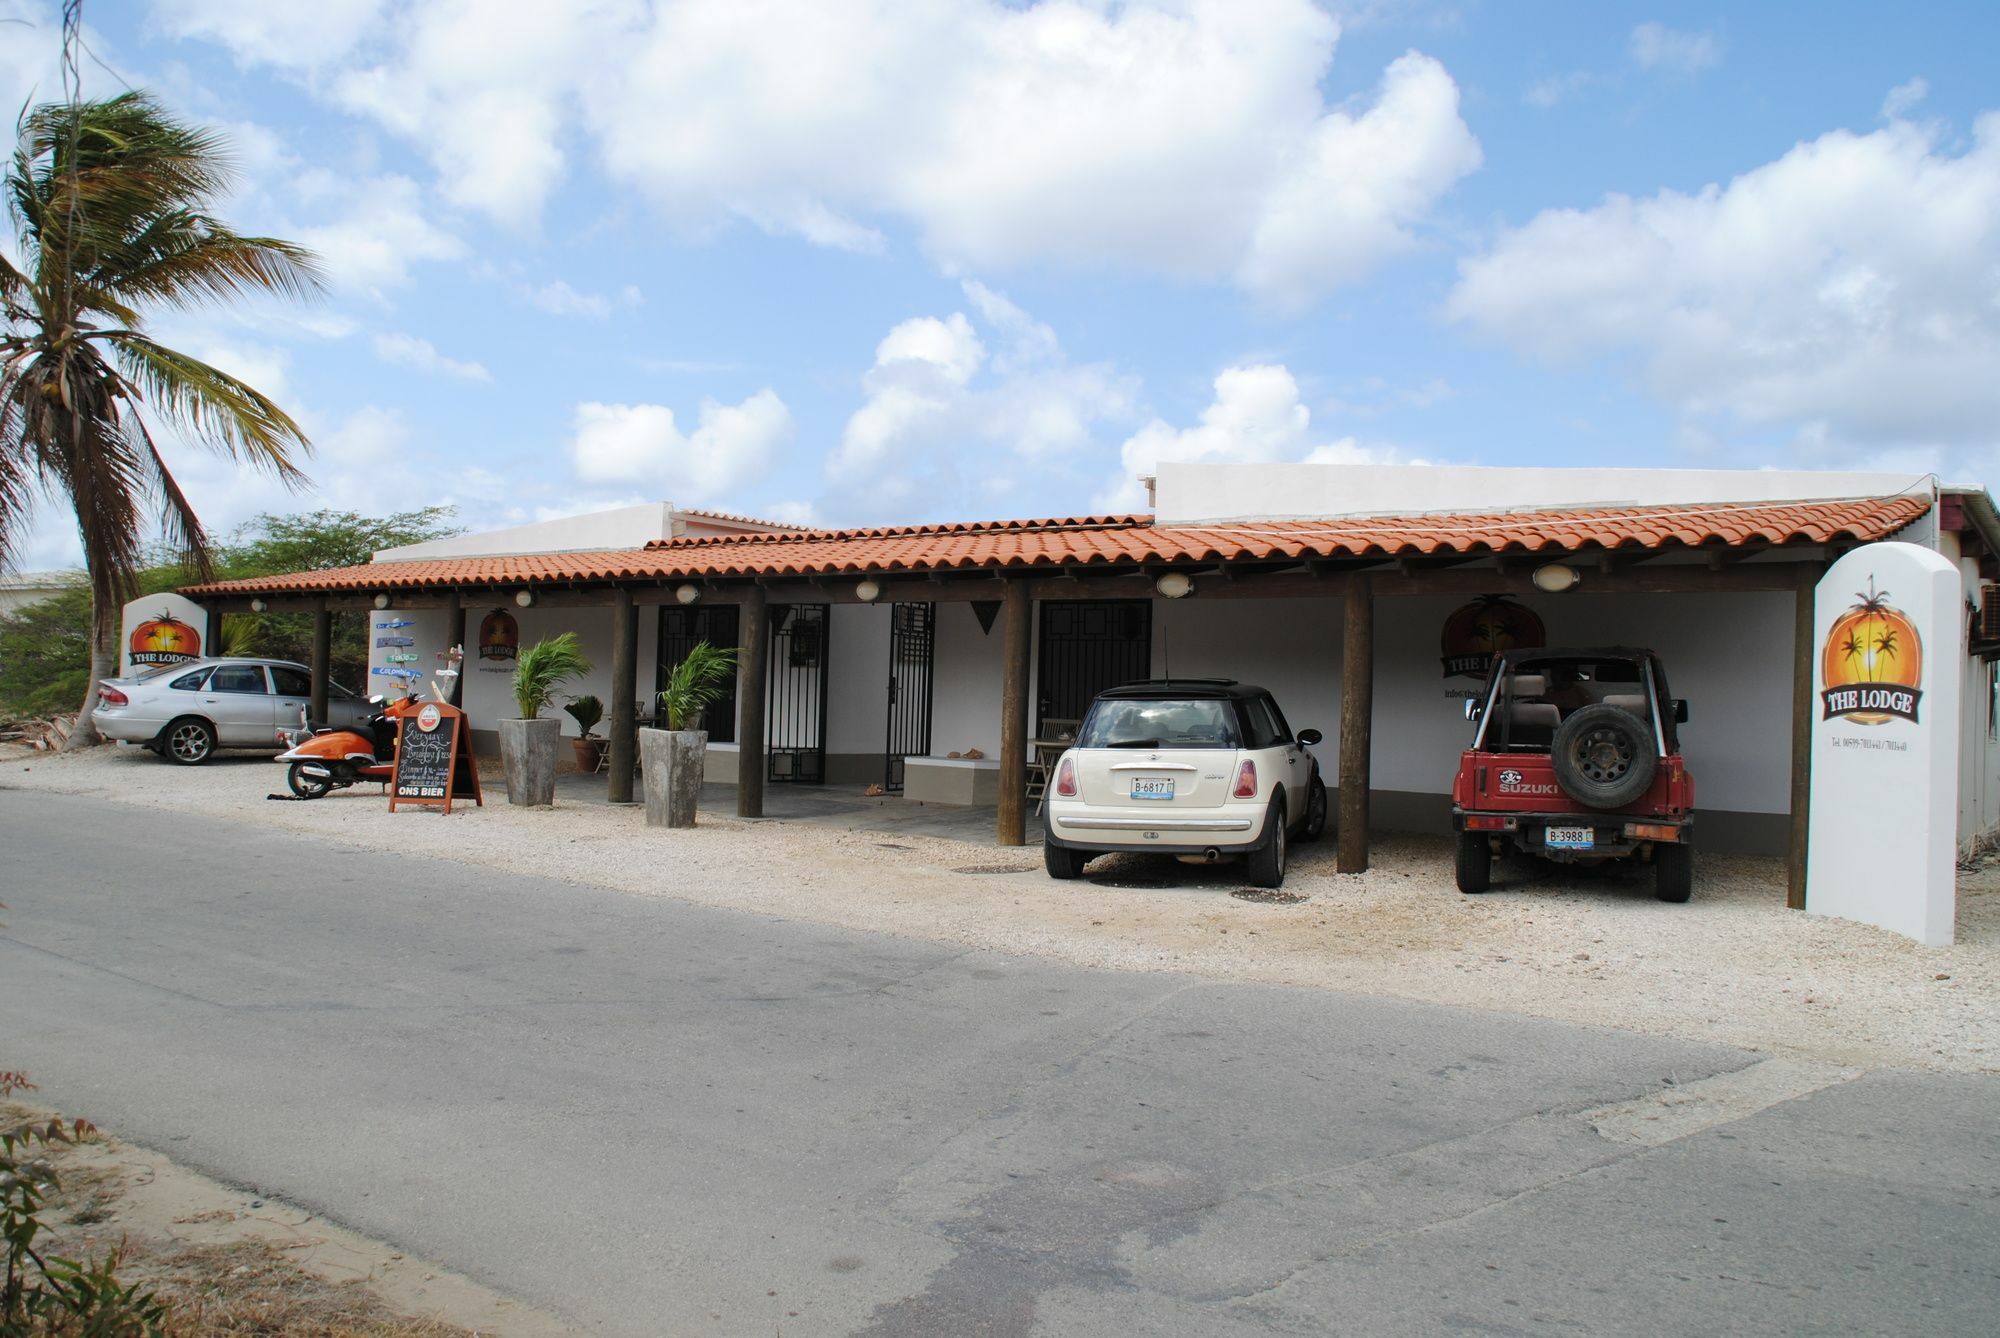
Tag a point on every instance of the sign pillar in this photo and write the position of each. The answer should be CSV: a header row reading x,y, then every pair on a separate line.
x,y
1882,846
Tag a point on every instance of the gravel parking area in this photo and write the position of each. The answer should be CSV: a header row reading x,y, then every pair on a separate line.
x,y
1734,966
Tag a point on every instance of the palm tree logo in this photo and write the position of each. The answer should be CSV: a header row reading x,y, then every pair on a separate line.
x,y
1873,642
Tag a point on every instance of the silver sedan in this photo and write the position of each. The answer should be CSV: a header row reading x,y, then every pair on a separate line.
x,y
184,712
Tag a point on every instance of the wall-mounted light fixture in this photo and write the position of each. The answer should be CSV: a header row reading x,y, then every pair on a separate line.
x,y
382,601
1175,585
525,598
687,594
1554,577
258,606
868,592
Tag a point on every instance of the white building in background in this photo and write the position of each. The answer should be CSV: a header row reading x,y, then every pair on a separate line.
x,y
887,653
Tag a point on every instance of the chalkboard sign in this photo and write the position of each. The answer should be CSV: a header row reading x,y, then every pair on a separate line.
x,y
434,758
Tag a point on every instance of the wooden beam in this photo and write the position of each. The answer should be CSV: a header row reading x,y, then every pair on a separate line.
x,y
1357,712
1802,693
753,674
624,683
454,635
1016,608
322,663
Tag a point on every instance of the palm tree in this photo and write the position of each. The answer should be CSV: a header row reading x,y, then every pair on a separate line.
x,y
109,203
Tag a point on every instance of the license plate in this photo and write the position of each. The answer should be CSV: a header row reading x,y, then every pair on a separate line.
x,y
1153,789
1568,838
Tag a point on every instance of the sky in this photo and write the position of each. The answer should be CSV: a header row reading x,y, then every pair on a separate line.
x,y
853,262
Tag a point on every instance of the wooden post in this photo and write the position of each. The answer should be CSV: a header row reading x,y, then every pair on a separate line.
x,y
753,673
454,635
624,682
1015,609
322,662
1357,710
1802,692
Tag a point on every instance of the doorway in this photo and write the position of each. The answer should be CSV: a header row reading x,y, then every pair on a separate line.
x,y
912,653
681,630
796,748
1089,645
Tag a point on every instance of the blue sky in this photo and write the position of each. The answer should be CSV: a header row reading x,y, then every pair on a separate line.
x,y
871,262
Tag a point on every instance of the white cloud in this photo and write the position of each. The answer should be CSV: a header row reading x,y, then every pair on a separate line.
x,y
929,411
559,298
1655,46
1256,417
641,443
411,351
291,36
1546,93
1186,137
1903,98
383,230
1851,287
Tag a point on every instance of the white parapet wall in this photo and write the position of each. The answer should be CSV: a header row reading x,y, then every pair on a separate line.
x,y
1190,493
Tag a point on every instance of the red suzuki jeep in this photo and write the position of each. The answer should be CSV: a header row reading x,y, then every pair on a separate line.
x,y
1575,758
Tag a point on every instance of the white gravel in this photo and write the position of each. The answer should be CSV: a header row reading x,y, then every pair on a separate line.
x,y
1733,966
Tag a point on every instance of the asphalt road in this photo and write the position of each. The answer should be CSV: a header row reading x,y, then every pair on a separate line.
x,y
654,1118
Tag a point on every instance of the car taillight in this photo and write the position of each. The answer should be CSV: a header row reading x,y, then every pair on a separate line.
x,y
112,696
1476,823
1066,779
1246,780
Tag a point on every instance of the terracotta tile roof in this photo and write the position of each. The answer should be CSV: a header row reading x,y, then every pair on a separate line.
x,y
731,517
1129,541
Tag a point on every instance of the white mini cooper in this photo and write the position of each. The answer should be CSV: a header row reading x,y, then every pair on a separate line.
x,y
1201,768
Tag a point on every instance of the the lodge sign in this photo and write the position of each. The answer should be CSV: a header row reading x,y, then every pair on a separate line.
x,y
1872,663
1476,632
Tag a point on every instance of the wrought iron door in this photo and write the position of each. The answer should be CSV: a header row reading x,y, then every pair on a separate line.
x,y
796,744
912,652
1088,646
683,628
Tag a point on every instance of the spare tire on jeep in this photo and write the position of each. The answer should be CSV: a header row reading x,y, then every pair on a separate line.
x,y
1604,756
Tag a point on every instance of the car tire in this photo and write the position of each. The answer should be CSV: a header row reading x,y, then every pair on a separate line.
x,y
1604,757
1267,862
1475,863
188,741
1062,862
1315,824
1673,872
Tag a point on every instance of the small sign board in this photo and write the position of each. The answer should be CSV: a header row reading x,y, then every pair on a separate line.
x,y
434,762
160,631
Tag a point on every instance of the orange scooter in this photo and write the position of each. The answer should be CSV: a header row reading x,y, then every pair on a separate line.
x,y
324,759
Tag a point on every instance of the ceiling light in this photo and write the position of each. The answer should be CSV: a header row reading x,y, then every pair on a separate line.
x,y
382,601
868,592
687,594
1553,578
1175,585
525,598
258,606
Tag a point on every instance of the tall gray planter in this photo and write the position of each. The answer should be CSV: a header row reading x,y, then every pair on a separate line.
x,y
672,761
528,755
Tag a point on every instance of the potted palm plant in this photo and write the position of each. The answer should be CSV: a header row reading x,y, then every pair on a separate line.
x,y
673,758
586,711
528,745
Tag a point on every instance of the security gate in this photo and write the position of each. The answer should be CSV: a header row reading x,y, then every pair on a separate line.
x,y
912,652
681,630
796,748
1088,646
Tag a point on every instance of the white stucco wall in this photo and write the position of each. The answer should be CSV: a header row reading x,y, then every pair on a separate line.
x,y
857,693
965,698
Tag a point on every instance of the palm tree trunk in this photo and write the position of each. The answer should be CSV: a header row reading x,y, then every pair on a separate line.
x,y
103,665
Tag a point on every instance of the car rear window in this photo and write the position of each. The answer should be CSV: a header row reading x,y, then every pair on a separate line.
x,y
190,682
1161,723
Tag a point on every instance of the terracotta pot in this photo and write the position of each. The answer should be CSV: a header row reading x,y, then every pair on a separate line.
x,y
588,753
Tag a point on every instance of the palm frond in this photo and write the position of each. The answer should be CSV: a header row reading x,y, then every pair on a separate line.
x,y
543,667
209,263
219,409
697,682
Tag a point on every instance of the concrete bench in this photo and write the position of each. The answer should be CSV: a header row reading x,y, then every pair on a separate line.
x,y
952,780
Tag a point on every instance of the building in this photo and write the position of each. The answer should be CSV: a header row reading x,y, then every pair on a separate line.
x,y
869,655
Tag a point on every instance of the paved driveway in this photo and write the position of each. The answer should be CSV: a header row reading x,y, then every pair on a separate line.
x,y
656,1118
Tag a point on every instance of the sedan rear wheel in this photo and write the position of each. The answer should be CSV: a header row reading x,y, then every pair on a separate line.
x,y
1062,862
190,742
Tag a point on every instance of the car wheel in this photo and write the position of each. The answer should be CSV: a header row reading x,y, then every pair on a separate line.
x,y
1267,863
1475,863
1315,811
1062,862
189,741
1604,756
1673,872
